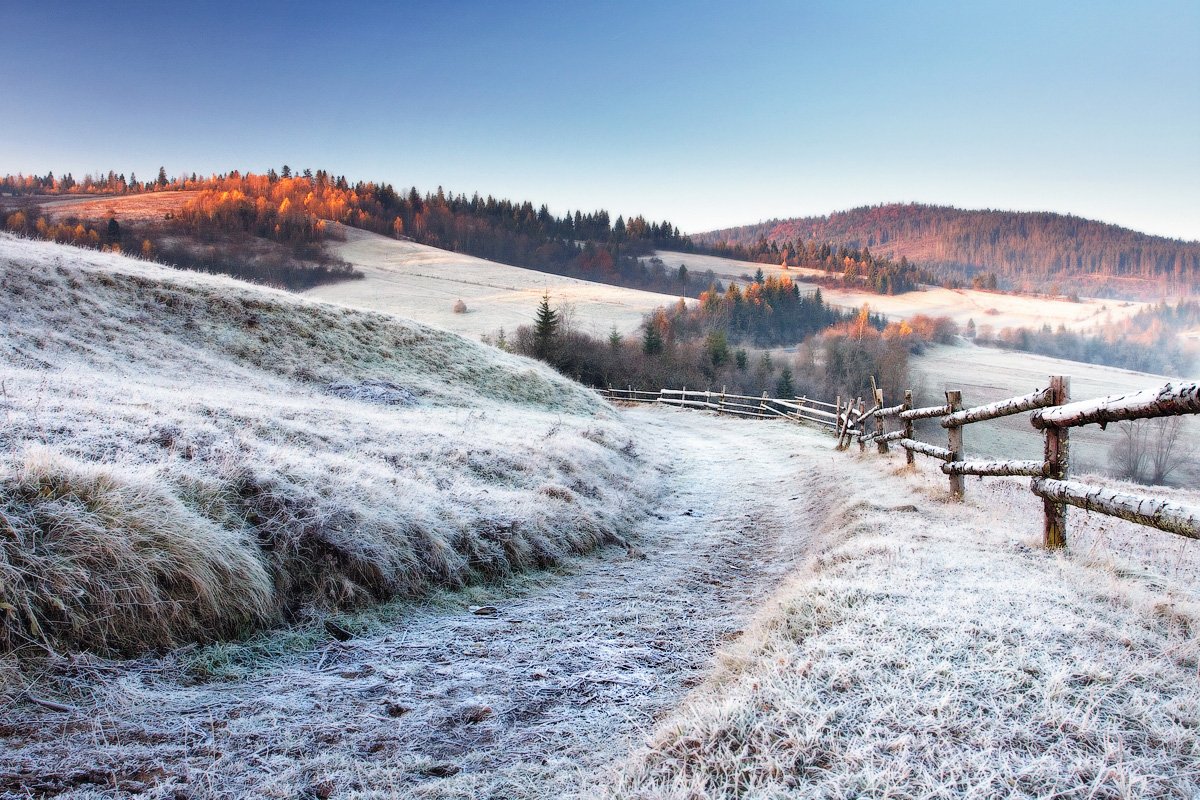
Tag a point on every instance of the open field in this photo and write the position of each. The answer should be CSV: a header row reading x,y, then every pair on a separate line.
x,y
986,374
986,308
132,207
186,457
423,283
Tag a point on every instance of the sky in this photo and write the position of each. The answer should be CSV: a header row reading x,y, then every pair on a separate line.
x,y
706,114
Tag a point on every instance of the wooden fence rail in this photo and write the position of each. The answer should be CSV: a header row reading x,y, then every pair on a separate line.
x,y
1053,413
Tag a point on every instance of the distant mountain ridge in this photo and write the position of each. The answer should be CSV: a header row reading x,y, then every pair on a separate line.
x,y
1025,250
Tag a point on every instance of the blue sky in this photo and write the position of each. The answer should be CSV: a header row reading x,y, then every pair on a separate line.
x,y
707,114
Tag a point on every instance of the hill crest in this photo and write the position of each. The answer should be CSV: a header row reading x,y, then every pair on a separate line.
x,y
1028,250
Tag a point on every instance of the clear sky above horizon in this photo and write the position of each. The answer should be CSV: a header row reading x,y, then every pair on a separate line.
x,y
707,114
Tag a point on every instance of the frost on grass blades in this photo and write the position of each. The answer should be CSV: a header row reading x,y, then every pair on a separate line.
x,y
186,457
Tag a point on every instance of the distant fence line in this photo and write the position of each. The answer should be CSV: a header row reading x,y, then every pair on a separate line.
x,y
1052,412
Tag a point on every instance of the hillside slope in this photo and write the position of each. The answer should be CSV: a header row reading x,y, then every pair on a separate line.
x,y
423,283
187,457
1026,249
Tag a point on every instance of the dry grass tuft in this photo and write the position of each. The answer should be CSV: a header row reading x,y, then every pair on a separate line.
x,y
97,558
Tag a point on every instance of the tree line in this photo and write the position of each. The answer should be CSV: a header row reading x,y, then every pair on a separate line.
x,y
288,207
853,266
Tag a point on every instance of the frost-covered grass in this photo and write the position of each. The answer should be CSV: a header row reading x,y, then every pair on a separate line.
x,y
185,457
932,650
425,283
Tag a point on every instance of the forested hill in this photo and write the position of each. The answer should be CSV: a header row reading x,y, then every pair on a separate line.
x,y
1024,250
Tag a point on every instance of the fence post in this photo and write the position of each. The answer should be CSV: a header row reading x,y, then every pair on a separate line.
x,y
955,443
881,445
862,446
1054,534
721,410
908,426
762,405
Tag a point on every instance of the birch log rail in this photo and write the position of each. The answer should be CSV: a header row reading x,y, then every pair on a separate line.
x,y
996,468
925,413
1001,408
1153,512
1173,399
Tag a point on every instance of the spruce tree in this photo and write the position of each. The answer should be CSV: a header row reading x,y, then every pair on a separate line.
x,y
784,387
545,329
652,342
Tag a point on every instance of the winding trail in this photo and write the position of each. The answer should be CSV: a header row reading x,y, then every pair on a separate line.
x,y
535,700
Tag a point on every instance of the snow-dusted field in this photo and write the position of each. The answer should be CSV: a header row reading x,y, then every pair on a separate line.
x,y
961,305
932,650
986,374
918,648
186,457
423,283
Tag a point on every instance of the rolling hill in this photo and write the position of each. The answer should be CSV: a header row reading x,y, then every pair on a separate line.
x,y
188,457
1025,250
423,283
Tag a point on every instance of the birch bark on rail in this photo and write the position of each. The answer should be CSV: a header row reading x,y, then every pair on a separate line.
x,y
1172,399
931,450
925,413
1000,408
996,468
1161,514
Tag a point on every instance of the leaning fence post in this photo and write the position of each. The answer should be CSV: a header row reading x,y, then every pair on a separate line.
x,y
954,435
862,409
1054,534
908,426
881,445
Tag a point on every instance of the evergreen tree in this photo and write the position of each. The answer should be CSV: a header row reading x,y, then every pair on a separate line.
x,y
545,328
162,177
652,341
784,387
614,339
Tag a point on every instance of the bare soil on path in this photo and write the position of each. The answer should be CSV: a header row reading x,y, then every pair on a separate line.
x,y
534,699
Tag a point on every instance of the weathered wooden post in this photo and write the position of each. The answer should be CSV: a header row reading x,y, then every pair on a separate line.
x,y
862,409
721,410
908,426
1054,534
954,435
880,445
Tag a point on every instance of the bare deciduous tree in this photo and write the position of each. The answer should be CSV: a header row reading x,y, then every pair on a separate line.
x,y
1148,450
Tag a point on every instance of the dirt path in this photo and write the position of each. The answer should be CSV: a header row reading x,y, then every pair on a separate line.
x,y
535,700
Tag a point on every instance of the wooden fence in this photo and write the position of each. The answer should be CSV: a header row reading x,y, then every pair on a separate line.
x,y
1052,412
